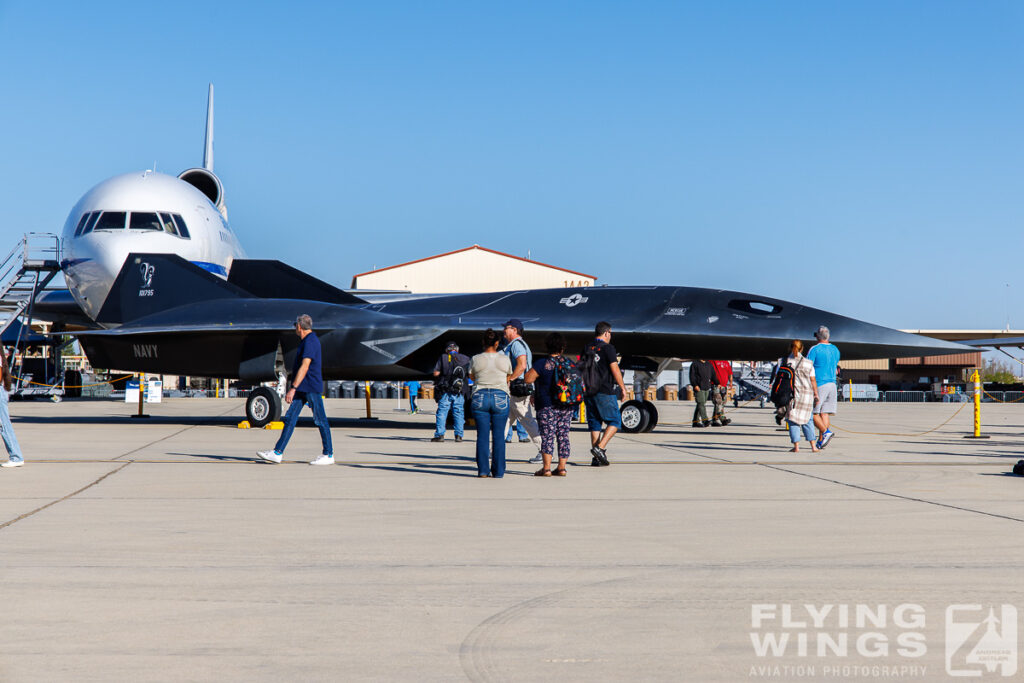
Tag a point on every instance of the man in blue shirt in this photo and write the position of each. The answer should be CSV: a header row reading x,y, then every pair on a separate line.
x,y
825,357
520,406
306,388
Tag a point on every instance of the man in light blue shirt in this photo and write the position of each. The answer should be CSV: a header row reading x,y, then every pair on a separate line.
x,y
825,357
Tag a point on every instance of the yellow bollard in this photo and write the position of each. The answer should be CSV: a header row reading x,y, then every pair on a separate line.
x,y
851,391
976,378
583,413
142,390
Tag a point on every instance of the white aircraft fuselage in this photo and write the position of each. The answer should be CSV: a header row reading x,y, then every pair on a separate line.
x,y
140,212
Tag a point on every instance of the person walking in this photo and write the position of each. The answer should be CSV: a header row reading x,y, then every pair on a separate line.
x,y
702,379
599,365
553,417
14,455
825,357
307,385
451,373
723,373
414,389
522,359
490,372
805,396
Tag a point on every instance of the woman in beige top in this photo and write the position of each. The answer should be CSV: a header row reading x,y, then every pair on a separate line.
x,y
490,372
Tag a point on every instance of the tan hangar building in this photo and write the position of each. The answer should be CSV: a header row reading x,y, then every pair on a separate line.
x,y
473,269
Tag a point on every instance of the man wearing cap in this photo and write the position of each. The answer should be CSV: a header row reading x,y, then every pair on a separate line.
x,y
306,386
522,360
451,385
825,357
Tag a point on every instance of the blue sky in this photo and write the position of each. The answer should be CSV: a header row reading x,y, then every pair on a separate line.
x,y
862,157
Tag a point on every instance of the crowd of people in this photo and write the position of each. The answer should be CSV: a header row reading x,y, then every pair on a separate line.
x,y
505,387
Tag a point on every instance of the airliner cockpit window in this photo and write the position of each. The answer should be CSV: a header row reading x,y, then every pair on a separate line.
x,y
182,228
81,223
93,217
169,224
144,221
111,220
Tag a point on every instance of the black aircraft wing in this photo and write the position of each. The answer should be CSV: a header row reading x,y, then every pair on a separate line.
x,y
166,315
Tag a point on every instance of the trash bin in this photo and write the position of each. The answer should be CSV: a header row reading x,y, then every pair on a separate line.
x,y
334,389
393,390
348,390
379,390
360,389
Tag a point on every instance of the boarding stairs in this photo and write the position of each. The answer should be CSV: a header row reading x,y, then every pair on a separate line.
x,y
28,269
754,384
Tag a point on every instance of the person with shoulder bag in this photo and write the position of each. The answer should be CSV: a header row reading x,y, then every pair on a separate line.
x,y
521,391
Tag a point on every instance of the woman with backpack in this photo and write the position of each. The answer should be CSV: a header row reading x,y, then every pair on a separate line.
x,y
555,400
805,396
490,372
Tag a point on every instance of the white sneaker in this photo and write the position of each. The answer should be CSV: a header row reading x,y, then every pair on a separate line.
x,y
537,458
323,460
269,456
12,463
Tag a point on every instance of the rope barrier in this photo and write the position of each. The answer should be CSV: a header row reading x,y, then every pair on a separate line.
x,y
74,386
850,431
999,400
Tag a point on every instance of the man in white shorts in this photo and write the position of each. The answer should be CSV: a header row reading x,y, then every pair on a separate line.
x,y
825,357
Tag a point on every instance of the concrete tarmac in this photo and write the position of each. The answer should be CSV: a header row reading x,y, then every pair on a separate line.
x,y
159,549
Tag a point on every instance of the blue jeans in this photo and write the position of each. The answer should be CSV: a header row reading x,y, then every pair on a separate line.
x,y
454,403
7,430
316,404
519,430
490,410
794,431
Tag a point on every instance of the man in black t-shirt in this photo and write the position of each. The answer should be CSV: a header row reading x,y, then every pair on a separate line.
x,y
450,398
603,407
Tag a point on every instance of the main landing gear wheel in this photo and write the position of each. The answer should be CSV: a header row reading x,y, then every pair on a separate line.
x,y
263,407
634,417
652,416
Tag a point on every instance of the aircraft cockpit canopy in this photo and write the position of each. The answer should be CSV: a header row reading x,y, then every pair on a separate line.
x,y
96,221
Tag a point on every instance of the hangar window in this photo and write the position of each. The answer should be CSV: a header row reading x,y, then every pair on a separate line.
x,y
168,222
756,307
81,223
91,223
111,220
144,221
182,228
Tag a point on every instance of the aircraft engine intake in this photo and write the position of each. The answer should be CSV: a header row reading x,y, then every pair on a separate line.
x,y
206,182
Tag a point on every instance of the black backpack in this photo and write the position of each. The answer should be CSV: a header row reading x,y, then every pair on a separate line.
x,y
453,376
782,393
589,367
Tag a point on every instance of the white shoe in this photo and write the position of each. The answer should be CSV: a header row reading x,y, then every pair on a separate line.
x,y
269,456
12,463
537,458
323,460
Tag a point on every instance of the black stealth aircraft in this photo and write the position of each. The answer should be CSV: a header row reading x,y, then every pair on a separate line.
x,y
166,315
